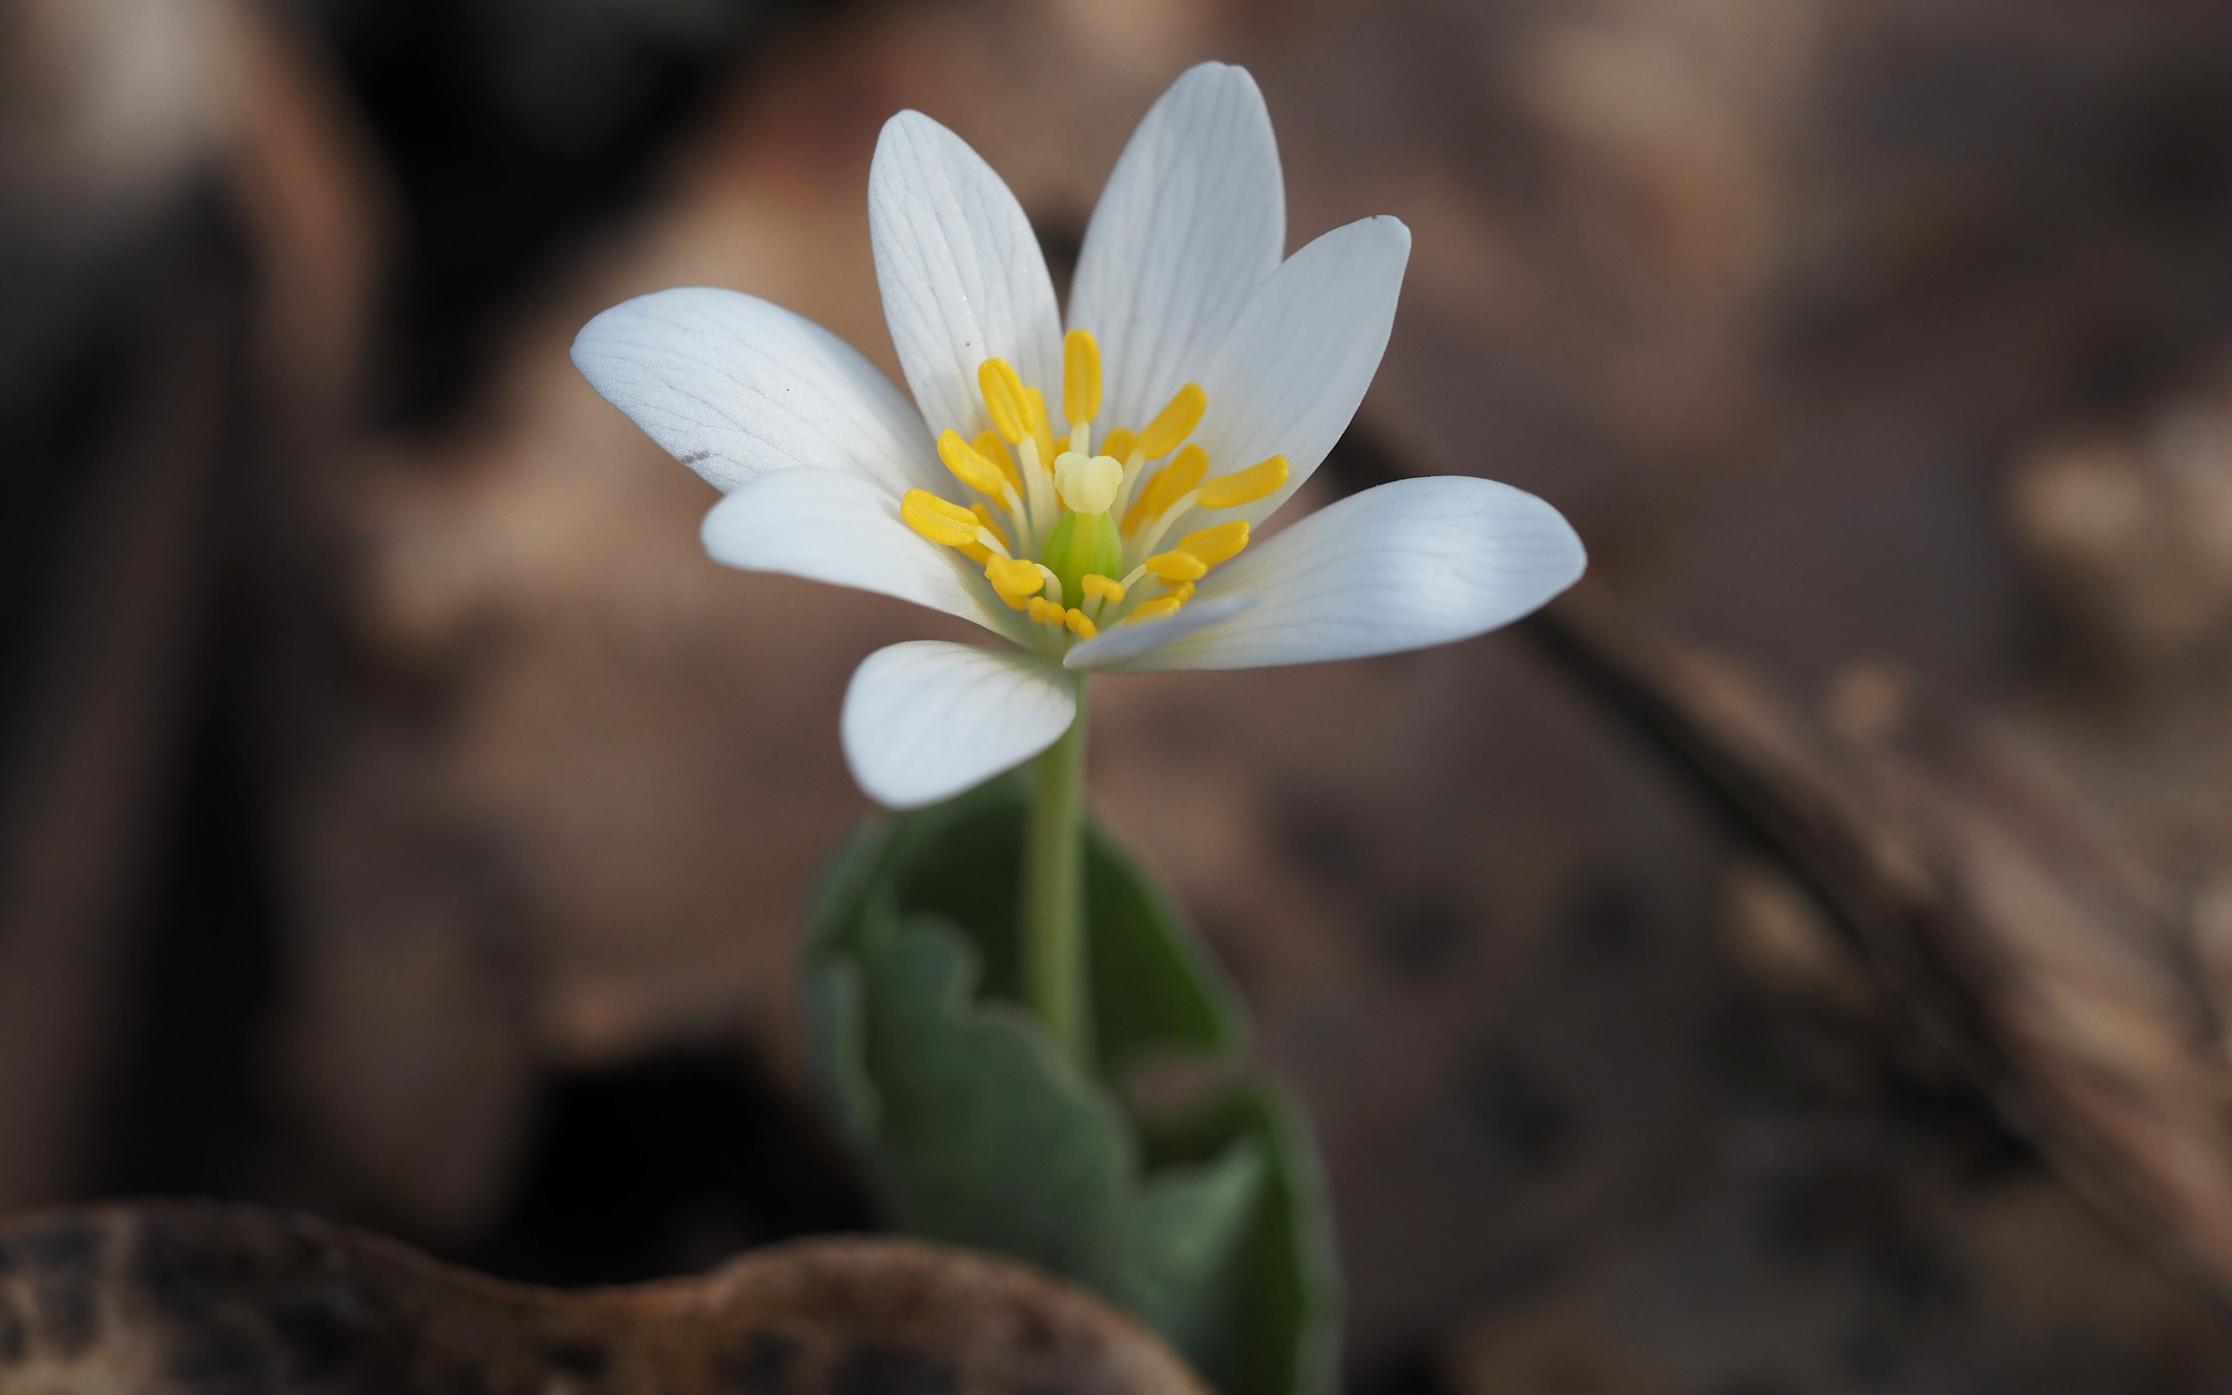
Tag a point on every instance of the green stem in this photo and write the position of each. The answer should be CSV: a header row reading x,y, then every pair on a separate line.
x,y
1054,979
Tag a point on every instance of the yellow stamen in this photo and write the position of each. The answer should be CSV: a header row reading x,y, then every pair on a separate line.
x,y
1080,624
1125,447
1087,485
1170,484
989,445
1037,487
1034,415
1219,544
1081,377
971,468
1183,591
987,546
1258,481
991,524
1180,565
1175,422
1102,588
1014,580
1053,583
1003,397
1155,609
1043,611
940,520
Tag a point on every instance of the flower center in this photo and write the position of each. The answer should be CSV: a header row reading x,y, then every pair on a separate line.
x,y
1071,536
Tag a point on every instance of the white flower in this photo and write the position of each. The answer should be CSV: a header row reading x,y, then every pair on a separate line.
x,y
1089,498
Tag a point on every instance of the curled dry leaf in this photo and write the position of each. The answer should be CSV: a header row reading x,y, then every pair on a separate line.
x,y
194,1299
2009,942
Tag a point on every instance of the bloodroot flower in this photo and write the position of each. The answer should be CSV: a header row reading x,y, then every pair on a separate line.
x,y
1091,497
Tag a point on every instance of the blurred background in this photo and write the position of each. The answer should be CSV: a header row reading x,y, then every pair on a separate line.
x,y
401,818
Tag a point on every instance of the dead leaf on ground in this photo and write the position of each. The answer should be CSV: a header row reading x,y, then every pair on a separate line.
x,y
197,1299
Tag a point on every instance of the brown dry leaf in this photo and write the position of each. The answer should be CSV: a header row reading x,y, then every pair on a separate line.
x,y
192,1299
2059,978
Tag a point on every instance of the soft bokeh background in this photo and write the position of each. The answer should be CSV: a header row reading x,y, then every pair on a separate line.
x,y
403,819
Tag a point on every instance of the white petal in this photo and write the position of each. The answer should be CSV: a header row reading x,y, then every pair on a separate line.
x,y
1288,378
832,527
733,387
962,276
928,719
1402,566
1193,220
1116,646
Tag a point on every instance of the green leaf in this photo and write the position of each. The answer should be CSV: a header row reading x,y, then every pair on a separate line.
x,y
1156,991
1273,1321
975,1129
836,1021
1184,1235
985,1135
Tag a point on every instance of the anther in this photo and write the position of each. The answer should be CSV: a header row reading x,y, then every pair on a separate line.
x,y
940,520
1219,544
991,524
1081,377
973,469
1179,565
1175,422
1034,417
1003,397
1258,481
989,445
1170,484
1014,580
1053,583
